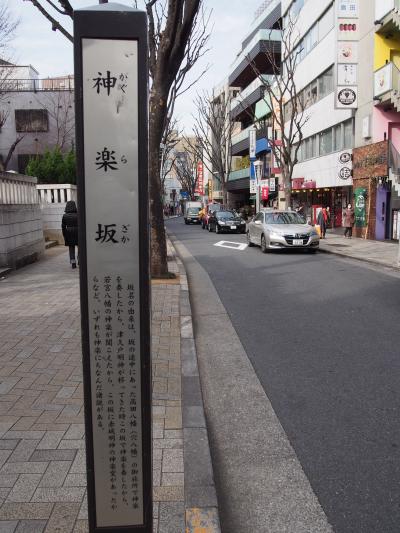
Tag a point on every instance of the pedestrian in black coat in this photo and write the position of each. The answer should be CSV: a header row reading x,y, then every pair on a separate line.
x,y
69,227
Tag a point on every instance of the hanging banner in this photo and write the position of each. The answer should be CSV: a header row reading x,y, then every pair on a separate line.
x,y
210,189
360,202
264,193
200,179
111,124
252,143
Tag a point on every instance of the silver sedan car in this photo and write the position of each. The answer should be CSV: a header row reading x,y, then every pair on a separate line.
x,y
274,230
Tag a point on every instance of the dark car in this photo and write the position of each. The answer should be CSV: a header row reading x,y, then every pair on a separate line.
x,y
226,221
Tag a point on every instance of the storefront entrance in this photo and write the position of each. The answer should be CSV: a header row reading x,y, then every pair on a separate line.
x,y
382,203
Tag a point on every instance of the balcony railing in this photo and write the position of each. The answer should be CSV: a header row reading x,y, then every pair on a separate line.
x,y
382,9
254,85
386,80
32,85
239,174
261,35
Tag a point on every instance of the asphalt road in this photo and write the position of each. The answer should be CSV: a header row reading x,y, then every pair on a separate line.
x,y
323,336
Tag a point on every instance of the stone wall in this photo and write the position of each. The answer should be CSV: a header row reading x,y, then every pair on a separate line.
x,y
21,228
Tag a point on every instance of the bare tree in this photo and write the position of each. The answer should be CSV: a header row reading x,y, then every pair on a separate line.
x,y
60,107
213,128
186,168
287,104
171,138
178,37
8,25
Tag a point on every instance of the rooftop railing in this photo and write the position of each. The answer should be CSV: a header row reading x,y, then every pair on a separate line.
x,y
32,85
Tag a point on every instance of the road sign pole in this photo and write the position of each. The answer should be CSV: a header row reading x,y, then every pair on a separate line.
x,y
111,94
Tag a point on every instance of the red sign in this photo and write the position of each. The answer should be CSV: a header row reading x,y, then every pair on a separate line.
x,y
200,179
264,193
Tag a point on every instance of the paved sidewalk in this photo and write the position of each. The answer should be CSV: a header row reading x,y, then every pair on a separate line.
x,y
42,447
375,252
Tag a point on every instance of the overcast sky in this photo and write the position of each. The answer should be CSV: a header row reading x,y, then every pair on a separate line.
x,y
51,53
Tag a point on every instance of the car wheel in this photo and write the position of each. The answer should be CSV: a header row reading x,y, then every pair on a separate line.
x,y
186,222
249,243
264,248
217,229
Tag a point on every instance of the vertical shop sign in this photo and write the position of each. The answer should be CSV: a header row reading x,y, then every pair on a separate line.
x,y
210,189
111,131
200,179
360,195
346,68
252,143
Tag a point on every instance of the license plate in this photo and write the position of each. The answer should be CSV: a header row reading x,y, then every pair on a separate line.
x,y
297,242
233,227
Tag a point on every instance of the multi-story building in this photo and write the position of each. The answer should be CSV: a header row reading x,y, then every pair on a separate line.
x,y
38,112
249,108
377,126
328,134
348,78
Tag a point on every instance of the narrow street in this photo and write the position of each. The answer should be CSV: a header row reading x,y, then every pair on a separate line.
x,y
322,335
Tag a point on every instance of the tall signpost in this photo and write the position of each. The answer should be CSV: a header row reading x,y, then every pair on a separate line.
x,y
111,78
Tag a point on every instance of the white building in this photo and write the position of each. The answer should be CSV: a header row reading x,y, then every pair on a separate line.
x,y
39,112
329,131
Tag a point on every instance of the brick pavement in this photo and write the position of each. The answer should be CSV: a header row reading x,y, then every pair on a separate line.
x,y
42,455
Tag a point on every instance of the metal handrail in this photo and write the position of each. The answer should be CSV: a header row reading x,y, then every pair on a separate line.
x,y
35,85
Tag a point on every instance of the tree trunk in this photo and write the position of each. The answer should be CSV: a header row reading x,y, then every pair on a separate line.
x,y
224,194
158,246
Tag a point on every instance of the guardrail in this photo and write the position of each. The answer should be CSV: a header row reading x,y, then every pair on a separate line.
x,y
35,85
56,194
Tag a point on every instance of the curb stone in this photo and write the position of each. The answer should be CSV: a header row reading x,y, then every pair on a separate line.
x,y
360,259
201,505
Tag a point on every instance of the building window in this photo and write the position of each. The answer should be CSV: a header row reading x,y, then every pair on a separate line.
x,y
325,83
348,134
31,120
331,140
325,142
337,138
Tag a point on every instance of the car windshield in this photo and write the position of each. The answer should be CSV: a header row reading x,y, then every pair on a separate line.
x,y
193,210
226,214
284,218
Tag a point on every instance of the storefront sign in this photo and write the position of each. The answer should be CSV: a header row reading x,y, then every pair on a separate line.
x,y
348,29
264,193
383,80
346,97
347,52
252,143
210,189
370,161
348,8
347,74
360,202
345,166
111,112
382,8
272,185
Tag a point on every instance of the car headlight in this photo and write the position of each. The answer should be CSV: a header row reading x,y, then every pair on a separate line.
x,y
274,236
221,223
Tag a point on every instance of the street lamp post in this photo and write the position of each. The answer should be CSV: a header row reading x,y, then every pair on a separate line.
x,y
258,165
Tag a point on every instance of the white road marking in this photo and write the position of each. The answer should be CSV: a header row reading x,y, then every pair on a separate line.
x,y
232,245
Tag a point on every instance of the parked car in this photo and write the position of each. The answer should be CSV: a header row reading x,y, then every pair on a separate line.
x,y
210,208
192,215
273,230
220,221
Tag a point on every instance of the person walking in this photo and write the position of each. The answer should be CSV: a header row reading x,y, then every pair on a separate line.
x,y
348,221
69,227
322,221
